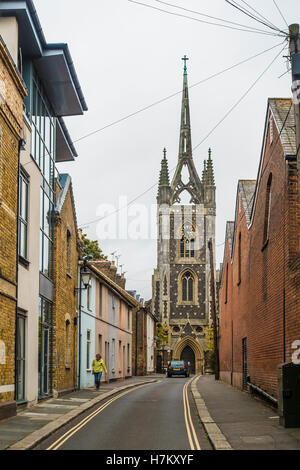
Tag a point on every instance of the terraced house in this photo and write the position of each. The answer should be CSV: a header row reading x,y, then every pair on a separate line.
x,y
53,92
12,93
106,313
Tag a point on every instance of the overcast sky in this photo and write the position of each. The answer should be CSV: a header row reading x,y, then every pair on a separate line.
x,y
128,56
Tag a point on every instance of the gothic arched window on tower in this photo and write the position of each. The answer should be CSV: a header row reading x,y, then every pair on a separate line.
x,y
187,287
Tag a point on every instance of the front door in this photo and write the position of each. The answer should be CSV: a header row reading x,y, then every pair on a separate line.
x,y
20,373
44,356
188,355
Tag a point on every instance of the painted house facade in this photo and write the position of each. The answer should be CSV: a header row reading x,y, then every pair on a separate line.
x,y
105,327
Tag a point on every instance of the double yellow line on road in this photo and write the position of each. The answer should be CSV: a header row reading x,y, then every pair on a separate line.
x,y
190,429
192,436
57,444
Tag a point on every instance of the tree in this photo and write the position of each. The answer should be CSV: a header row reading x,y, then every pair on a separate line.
x,y
162,334
91,249
210,349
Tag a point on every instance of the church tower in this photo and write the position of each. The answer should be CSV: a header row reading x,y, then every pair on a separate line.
x,y
186,211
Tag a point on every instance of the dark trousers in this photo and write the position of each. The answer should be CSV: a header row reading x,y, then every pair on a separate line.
x,y
97,376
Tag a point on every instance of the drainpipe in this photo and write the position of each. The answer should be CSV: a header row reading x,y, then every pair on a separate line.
x,y
231,352
262,392
79,332
20,144
136,339
283,332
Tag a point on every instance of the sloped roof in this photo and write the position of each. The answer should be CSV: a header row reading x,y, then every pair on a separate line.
x,y
285,120
114,286
229,233
246,191
64,182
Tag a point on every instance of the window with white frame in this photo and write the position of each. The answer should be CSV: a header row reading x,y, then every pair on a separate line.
x,y
88,349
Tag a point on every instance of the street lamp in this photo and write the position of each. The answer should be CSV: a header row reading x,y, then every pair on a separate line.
x,y
84,278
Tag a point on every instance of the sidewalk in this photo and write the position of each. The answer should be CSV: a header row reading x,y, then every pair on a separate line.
x,y
246,422
56,411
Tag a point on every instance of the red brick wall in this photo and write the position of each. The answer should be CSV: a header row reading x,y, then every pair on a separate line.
x,y
256,305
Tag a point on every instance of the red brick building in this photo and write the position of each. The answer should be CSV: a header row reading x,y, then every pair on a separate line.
x,y
260,289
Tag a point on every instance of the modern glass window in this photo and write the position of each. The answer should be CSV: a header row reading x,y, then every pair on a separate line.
x,y
88,349
43,124
187,287
20,372
45,355
23,216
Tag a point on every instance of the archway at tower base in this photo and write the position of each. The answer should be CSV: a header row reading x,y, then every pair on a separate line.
x,y
188,356
188,347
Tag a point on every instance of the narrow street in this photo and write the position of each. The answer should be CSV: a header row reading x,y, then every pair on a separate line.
x,y
150,229
149,417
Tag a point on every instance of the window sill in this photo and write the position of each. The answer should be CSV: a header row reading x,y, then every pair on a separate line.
x,y
24,261
265,245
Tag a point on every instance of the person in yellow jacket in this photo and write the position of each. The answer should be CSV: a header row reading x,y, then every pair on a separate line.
x,y
98,366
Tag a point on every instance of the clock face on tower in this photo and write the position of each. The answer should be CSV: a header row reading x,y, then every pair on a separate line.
x,y
188,231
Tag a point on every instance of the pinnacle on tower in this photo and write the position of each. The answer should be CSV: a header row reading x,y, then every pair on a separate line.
x,y
164,172
210,178
163,195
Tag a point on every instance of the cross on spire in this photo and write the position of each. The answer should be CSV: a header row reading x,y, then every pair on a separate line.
x,y
185,58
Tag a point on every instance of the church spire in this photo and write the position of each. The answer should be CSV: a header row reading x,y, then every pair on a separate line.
x,y
185,158
185,143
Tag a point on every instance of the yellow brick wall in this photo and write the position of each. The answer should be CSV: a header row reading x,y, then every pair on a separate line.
x,y
11,112
65,300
